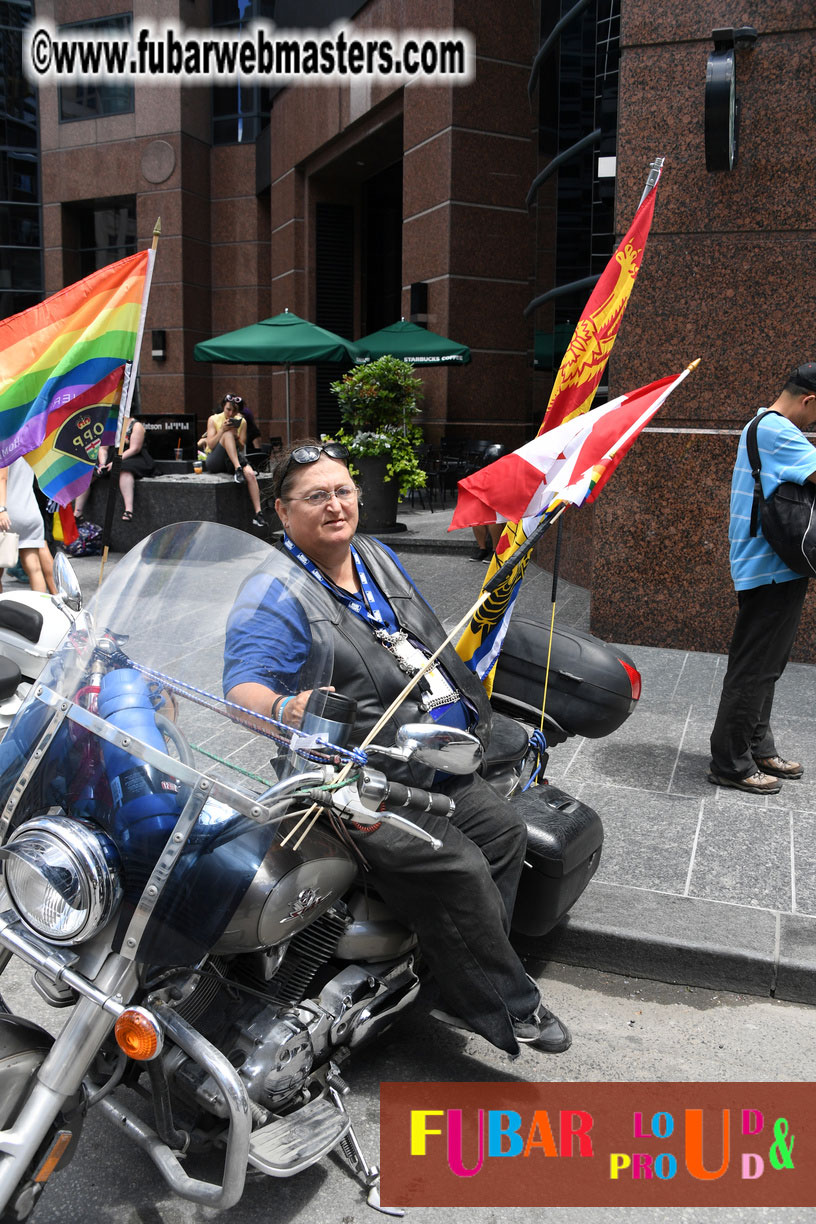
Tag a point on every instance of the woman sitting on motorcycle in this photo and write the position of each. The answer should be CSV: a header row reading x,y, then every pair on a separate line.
x,y
458,899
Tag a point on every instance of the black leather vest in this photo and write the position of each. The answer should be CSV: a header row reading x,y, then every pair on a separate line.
x,y
365,670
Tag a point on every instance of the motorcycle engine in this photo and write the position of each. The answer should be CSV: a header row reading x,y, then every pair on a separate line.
x,y
273,1056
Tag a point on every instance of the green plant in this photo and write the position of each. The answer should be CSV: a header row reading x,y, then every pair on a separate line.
x,y
377,401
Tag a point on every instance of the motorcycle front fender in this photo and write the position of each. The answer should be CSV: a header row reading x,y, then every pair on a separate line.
x,y
23,1047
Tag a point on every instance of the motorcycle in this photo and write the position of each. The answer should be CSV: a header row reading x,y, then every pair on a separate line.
x,y
193,901
32,626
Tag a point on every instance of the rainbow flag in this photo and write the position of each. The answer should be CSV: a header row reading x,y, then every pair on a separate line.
x,y
62,368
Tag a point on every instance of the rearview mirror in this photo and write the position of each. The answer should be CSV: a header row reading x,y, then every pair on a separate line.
x,y
445,748
67,583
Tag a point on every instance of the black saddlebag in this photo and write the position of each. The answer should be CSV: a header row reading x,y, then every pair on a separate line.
x,y
592,688
564,839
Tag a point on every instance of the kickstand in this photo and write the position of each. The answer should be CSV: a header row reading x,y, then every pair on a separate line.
x,y
349,1145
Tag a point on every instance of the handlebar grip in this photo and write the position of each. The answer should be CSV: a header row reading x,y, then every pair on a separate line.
x,y
416,800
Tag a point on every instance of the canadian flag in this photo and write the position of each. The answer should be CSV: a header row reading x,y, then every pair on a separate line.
x,y
570,463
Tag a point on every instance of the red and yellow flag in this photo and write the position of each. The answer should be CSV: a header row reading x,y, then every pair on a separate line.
x,y
585,359
572,394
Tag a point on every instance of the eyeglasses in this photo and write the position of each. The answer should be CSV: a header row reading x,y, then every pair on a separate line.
x,y
321,497
233,399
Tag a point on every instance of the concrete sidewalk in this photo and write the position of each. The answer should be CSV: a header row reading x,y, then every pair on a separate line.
x,y
696,884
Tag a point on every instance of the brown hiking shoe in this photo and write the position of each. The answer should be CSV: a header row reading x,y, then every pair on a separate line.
x,y
755,784
779,767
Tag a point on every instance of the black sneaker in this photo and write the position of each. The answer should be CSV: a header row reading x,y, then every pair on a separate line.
x,y
481,554
239,476
543,1031
258,520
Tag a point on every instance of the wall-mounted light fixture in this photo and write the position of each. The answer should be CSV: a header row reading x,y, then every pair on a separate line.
x,y
159,345
721,105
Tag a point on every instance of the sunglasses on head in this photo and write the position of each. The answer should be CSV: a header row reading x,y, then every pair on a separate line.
x,y
312,452
233,399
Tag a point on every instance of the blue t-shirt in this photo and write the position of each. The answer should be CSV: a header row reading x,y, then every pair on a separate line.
x,y
785,454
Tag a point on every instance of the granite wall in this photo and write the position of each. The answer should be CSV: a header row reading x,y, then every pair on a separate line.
x,y
724,279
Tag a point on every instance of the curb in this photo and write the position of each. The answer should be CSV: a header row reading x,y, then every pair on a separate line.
x,y
427,544
688,941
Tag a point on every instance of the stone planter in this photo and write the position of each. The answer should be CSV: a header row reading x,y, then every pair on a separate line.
x,y
378,508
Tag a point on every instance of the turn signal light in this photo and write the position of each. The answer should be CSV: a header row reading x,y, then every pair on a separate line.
x,y
138,1034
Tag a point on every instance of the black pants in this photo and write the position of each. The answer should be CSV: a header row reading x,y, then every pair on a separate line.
x,y
219,461
767,621
459,901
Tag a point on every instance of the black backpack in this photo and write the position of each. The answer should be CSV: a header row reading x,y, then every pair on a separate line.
x,y
788,516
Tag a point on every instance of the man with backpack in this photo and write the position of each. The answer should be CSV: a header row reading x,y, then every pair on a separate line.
x,y
770,596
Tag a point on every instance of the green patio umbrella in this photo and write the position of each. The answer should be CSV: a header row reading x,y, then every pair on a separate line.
x,y
285,340
413,344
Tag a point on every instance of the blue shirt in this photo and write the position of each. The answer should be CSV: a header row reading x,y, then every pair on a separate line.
x,y
785,454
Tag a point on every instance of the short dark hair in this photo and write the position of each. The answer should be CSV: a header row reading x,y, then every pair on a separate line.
x,y
282,473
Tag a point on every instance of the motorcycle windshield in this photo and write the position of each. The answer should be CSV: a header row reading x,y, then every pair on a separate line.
x,y
189,633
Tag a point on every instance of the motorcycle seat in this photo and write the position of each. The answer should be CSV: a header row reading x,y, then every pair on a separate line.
x,y
508,743
19,618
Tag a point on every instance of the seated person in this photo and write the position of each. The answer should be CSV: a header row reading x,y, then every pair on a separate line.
x,y
137,462
458,899
225,447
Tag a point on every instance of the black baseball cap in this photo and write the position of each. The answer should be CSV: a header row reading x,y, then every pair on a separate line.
x,y
804,376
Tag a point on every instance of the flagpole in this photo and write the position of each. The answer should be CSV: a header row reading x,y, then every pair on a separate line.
x,y
128,389
556,561
655,170
507,567
652,179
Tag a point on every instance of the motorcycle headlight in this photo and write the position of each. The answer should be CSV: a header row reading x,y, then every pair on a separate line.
x,y
62,877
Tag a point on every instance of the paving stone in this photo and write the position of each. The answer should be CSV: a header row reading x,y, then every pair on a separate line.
x,y
648,838
642,753
741,860
804,857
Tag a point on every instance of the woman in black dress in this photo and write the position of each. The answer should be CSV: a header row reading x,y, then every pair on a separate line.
x,y
136,463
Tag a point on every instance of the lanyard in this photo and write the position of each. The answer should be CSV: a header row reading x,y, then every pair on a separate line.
x,y
371,605
375,610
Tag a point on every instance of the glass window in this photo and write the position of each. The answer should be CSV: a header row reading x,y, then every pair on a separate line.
x,y
18,99
103,230
91,100
20,269
19,225
13,302
18,177
21,273
239,112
